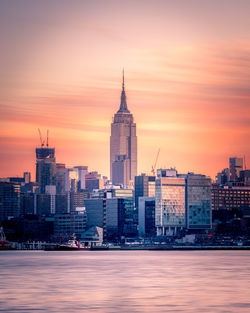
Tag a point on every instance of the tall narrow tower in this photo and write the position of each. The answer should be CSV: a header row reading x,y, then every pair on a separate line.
x,y
45,166
123,144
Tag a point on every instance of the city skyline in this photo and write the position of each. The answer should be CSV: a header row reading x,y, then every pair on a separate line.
x,y
187,81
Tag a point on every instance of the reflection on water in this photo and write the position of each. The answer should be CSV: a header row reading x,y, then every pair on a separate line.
x,y
124,281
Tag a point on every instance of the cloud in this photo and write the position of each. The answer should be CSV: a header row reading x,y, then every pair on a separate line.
x,y
190,101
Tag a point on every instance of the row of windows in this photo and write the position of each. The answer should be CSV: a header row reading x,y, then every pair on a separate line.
x,y
232,192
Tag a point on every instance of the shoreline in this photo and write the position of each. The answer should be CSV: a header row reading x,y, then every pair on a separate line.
x,y
143,248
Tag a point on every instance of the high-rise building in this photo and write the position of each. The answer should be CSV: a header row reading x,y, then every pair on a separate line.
x,y
123,144
235,166
43,205
71,180
144,187
146,216
230,198
169,201
82,172
27,203
60,178
77,200
198,202
93,180
69,224
9,200
27,177
115,215
181,201
245,177
45,167
62,204
223,177
115,218
96,212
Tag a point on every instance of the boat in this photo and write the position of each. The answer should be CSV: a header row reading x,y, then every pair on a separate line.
x,y
71,244
4,244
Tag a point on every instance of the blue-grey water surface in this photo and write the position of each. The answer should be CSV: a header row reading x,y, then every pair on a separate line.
x,y
124,281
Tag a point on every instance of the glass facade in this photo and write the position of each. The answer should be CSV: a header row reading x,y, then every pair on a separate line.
x,y
199,212
144,187
130,223
170,203
146,217
182,201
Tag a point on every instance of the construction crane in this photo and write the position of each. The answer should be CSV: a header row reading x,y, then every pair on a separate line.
x,y
156,159
41,139
47,138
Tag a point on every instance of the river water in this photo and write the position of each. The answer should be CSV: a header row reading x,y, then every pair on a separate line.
x,y
125,281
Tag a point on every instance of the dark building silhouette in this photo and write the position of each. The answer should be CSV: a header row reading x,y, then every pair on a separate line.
x,y
30,227
9,200
230,198
245,177
115,219
146,219
45,167
77,199
43,204
144,187
60,178
235,166
27,203
223,177
96,213
68,224
93,180
61,204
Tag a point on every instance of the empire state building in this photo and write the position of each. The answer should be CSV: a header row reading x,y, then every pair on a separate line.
x,y
123,144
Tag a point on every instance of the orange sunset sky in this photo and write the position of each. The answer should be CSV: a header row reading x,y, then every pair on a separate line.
x,y
187,75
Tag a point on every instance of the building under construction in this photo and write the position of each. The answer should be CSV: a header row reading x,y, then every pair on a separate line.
x,y
45,165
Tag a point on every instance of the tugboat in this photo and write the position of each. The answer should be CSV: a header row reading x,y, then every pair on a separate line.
x,y
4,244
70,245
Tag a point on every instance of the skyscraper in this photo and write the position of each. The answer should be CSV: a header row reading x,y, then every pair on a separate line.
x,y
45,167
123,144
144,187
235,166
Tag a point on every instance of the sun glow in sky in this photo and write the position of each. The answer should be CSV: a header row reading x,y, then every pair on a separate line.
x,y
187,74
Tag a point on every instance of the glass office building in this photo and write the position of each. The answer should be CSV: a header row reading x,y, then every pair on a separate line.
x,y
181,201
199,214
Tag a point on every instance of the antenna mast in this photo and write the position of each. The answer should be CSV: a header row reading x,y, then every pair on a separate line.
x,y
47,138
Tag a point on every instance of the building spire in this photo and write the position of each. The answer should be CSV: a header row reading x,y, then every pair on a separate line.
x,y
123,85
123,105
